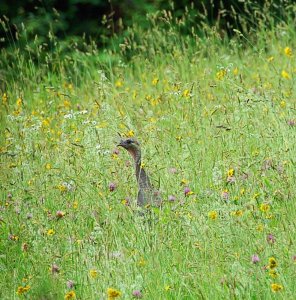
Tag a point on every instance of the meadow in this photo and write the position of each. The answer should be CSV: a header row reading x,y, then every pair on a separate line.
x,y
216,121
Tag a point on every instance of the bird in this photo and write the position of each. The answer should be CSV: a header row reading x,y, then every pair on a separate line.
x,y
147,196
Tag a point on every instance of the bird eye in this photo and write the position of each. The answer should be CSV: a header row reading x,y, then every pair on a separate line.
x,y
129,141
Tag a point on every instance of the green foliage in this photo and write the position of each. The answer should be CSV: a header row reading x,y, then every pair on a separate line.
x,y
213,114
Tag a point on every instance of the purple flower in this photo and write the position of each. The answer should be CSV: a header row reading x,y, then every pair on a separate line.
x,y
137,294
225,195
270,239
291,123
172,198
112,187
187,191
255,259
70,284
55,269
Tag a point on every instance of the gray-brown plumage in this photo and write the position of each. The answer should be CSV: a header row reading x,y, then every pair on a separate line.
x,y
146,194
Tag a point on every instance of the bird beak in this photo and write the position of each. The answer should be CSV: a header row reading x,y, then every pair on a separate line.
x,y
120,144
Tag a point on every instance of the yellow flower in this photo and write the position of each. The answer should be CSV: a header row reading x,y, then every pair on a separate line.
x,y
288,51
260,227
93,273
272,263
67,104
62,188
264,207
179,138
50,232
184,181
235,71
237,213
142,262
221,74
23,289
113,293
4,98
270,59
186,93
48,166
273,273
45,122
119,83
276,287
213,215
155,81
130,133
167,288
285,74
283,104
75,204
70,295
230,172
19,102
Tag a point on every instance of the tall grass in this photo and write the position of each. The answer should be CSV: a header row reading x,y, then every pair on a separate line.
x,y
213,114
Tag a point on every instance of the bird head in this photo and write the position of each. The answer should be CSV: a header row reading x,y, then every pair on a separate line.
x,y
133,147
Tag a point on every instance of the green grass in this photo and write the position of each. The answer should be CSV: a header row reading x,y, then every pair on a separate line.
x,y
201,106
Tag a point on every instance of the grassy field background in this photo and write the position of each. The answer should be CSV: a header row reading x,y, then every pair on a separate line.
x,y
212,114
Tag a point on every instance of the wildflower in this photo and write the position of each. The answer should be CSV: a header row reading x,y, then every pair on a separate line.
x,y
75,204
70,295
93,273
48,166
113,293
225,194
13,237
55,269
291,123
19,102
285,74
264,207
142,262
270,239
155,81
167,288
67,104
4,98
178,138
112,187
272,263
172,198
283,104
230,173
213,215
255,259
184,181
276,287
270,59
118,83
288,51
70,284
221,74
237,213
130,133
25,247
173,170
60,214
273,273
186,93
23,289
187,191
137,294
50,232
235,71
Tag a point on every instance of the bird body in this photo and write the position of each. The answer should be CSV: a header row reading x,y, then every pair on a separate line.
x,y
146,195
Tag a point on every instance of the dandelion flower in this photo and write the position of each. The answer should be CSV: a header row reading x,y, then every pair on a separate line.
x,y
50,232
285,74
93,273
23,289
113,293
276,287
264,207
288,51
255,259
155,81
70,295
272,263
213,215
221,74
